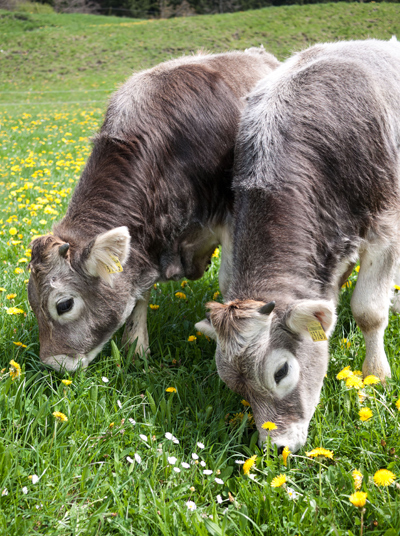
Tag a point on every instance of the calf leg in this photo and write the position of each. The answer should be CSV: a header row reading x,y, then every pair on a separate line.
x,y
370,305
136,326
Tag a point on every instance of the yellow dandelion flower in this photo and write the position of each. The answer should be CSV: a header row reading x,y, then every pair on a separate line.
x,y
365,414
354,381
344,373
111,425
285,455
248,464
344,343
215,295
170,390
66,382
22,260
15,370
3,289
245,403
20,344
358,499
13,231
11,296
278,481
184,283
398,404
154,306
357,373
14,311
191,338
269,426
383,477
60,416
199,334
215,254
371,380
18,270
180,295
358,478
320,452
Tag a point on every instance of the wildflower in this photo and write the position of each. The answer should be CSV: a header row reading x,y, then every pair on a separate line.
x,y
138,458
215,295
278,481
203,463
344,343
248,464
292,493
60,416
2,289
269,426
20,344
13,231
240,462
154,307
169,436
18,270
185,465
24,490
183,284
215,254
358,478
320,452
129,459
119,404
180,295
365,414
143,437
357,373
15,370
354,381
344,373
383,477
4,492
398,404
175,440
219,499
245,403
177,470
111,425
132,421
371,380
200,445
285,454
191,506
219,481
34,479
207,472
192,338
11,296
104,379
14,311
194,456
359,498
170,390
172,460
192,489
66,382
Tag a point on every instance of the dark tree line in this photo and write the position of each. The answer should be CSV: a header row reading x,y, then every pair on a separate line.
x,y
169,8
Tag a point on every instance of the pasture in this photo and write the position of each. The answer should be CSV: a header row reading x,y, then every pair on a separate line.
x,y
157,446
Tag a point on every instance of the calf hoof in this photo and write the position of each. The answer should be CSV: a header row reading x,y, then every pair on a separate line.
x,y
381,370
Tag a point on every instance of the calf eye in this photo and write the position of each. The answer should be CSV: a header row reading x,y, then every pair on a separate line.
x,y
65,306
281,373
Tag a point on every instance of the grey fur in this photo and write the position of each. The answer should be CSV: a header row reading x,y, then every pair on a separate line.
x,y
316,185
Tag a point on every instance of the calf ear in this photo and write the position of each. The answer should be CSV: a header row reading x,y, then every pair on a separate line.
x,y
206,328
108,253
306,311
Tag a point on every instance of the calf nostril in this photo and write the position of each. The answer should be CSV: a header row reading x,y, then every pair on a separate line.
x,y
280,450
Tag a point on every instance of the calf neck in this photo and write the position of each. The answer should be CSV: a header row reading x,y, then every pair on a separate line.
x,y
316,187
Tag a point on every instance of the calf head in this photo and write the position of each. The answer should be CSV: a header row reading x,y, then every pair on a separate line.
x,y
79,295
266,354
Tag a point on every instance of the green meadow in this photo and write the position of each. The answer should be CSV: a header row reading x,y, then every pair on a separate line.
x,y
156,446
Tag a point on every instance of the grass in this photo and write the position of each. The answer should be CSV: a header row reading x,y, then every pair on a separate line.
x,y
97,473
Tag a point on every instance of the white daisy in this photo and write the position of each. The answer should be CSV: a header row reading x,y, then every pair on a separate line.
x,y
177,470
194,456
169,436
219,499
219,481
105,380
191,505
207,472
132,421
200,445
138,458
185,465
129,459
203,463
24,490
143,437
172,460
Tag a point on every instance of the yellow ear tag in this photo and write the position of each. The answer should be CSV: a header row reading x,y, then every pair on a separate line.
x,y
316,331
118,268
